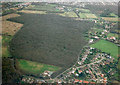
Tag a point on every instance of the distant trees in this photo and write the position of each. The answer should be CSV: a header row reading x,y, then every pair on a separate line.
x,y
105,13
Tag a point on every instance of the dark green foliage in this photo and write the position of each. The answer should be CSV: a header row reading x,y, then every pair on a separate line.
x,y
9,74
106,13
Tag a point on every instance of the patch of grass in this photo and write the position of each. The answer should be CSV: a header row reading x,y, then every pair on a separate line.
x,y
34,67
112,35
30,11
90,15
83,10
87,15
113,15
49,8
107,47
82,15
68,14
114,19
5,46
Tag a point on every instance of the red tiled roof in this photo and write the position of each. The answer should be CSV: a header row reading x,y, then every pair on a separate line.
x,y
80,81
92,82
76,80
85,81
79,71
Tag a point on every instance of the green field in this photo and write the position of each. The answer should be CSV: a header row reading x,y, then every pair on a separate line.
x,y
49,7
113,15
82,15
5,46
34,67
87,15
83,10
106,46
112,35
68,14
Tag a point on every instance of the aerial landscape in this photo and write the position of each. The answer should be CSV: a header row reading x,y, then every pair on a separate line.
x,y
62,42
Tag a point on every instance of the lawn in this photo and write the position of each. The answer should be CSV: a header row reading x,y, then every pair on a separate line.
x,y
107,47
34,67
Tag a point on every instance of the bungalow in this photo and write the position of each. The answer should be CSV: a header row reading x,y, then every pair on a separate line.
x,y
80,71
112,38
86,82
76,80
80,81
91,40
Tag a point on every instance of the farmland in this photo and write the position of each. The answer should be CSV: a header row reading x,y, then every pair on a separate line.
x,y
114,19
34,12
59,39
87,15
8,27
68,14
44,7
107,47
83,10
34,67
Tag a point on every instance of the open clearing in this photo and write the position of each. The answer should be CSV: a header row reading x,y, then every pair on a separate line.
x,y
9,27
34,67
49,39
107,47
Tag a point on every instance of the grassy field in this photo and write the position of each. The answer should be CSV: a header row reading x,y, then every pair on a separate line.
x,y
34,67
83,10
113,15
112,35
30,11
82,15
90,15
107,47
114,19
5,46
87,15
68,14
49,8
9,27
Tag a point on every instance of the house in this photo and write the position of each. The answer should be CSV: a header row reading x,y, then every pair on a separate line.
x,y
80,81
92,82
76,80
80,71
86,82
91,40
112,38
96,37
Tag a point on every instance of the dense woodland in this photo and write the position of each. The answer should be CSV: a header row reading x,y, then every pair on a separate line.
x,y
49,39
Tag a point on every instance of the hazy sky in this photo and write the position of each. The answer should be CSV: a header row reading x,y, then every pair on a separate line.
x,y
61,0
